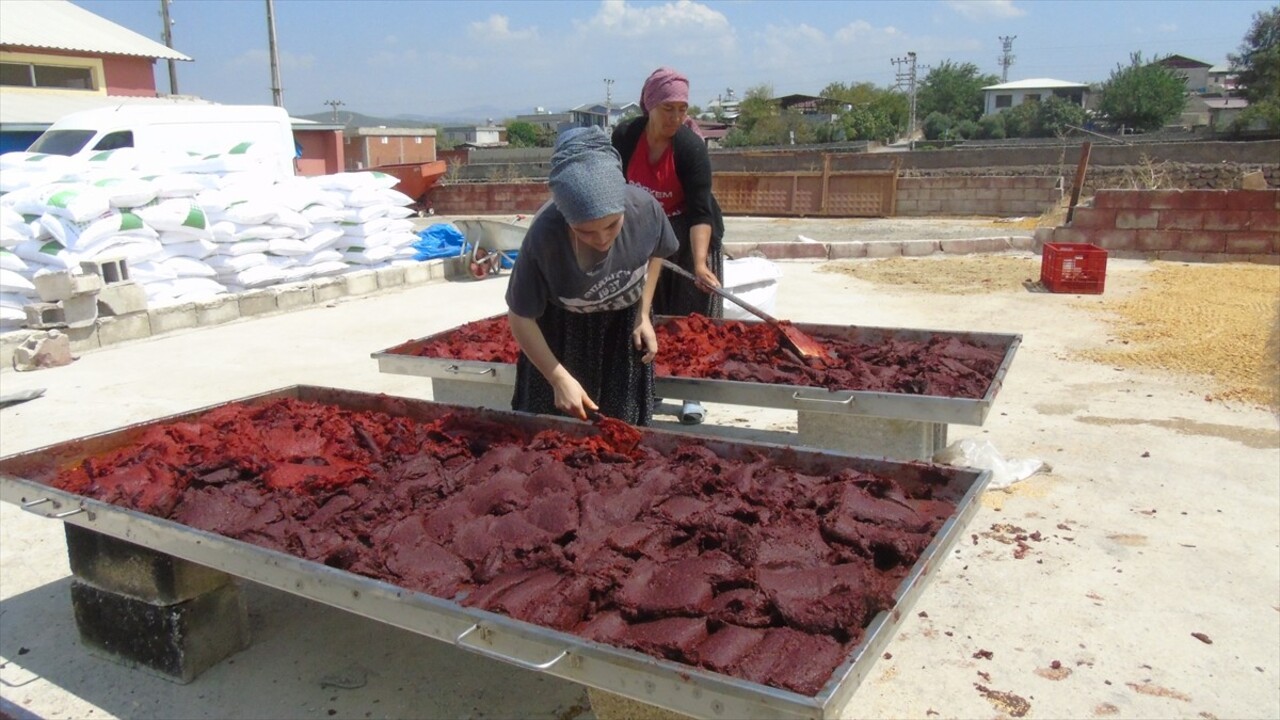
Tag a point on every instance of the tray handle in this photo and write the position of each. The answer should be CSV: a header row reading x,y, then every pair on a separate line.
x,y
459,371
506,658
796,396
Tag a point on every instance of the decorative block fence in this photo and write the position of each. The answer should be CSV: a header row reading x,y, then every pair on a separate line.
x,y
1178,224
997,196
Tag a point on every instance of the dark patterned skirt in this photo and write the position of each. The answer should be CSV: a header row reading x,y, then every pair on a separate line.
x,y
677,295
596,349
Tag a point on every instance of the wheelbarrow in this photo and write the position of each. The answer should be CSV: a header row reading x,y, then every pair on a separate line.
x,y
490,244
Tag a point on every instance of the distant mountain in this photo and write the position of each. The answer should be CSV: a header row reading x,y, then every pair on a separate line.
x,y
466,116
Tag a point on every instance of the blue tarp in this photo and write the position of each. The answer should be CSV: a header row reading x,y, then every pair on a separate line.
x,y
442,240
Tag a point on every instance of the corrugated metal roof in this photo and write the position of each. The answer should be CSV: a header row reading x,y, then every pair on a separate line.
x,y
60,25
1035,84
42,109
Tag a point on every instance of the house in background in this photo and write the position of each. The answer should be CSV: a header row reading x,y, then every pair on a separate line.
x,y
1194,73
997,98
489,135
369,147
57,58
1222,80
561,121
614,114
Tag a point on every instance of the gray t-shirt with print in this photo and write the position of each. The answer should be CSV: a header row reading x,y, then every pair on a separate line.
x,y
546,270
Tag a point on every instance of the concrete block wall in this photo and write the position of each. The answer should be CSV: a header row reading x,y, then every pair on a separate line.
x,y
490,198
1001,196
1179,224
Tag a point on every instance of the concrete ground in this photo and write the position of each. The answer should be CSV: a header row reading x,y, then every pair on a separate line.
x,y
1140,578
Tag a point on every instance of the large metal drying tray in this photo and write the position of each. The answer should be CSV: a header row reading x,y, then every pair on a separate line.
x,y
663,683
401,360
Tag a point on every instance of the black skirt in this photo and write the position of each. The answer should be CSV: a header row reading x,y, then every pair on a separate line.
x,y
677,295
596,349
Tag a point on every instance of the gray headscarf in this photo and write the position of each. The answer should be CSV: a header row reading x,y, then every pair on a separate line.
x,y
586,176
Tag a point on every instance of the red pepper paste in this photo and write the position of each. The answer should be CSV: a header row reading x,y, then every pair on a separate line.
x,y
748,568
699,347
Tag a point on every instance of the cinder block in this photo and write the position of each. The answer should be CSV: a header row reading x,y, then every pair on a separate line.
x,y
848,250
122,298
329,288
1181,220
794,250
61,285
216,311
84,339
1085,218
1255,200
1253,243
291,297
390,276
257,302
44,315
1137,220
1115,239
888,248
111,270
173,317
1072,235
417,273
121,328
919,248
176,642
361,282
43,350
119,566
10,342
1264,221
1149,240
80,310
1229,220
1023,242
1202,241
964,246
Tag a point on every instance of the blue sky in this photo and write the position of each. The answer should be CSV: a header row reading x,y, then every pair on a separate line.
x,y
450,58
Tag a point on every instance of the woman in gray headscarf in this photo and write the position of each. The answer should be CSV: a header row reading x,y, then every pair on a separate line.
x,y
581,292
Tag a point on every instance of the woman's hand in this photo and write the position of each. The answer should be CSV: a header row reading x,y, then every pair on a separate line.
x,y
571,399
706,277
644,339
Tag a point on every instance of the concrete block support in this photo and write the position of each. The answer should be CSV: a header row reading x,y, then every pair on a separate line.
x,y
291,297
390,276
121,328
146,609
872,436
217,311
44,315
176,642
173,317
80,310
61,285
122,298
111,270
417,274
361,282
257,302
327,289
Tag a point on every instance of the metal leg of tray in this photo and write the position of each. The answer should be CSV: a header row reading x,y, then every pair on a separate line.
x,y
873,436
153,611
494,396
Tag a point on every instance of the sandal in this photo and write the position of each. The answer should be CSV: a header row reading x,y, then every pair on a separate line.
x,y
692,413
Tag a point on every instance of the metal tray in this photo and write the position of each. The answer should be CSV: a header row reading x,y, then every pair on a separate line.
x,y
401,360
628,673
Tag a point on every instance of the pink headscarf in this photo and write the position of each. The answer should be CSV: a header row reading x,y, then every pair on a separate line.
x,y
666,85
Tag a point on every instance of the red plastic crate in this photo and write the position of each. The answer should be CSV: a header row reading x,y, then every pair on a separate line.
x,y
1073,268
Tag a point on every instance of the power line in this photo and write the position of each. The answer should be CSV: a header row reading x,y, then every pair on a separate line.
x,y
608,100
908,77
168,42
1006,59
334,104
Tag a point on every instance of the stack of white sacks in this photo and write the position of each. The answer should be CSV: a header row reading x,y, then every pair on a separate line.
x,y
191,227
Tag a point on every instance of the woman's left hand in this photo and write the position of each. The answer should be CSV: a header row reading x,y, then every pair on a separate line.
x,y
706,277
645,340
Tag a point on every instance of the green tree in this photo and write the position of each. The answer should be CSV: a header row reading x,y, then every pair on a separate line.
x,y
1054,114
874,113
1020,121
1142,95
936,125
522,134
1257,69
953,89
991,127
756,105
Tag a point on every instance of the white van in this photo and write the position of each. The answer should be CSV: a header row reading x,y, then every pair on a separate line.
x,y
169,128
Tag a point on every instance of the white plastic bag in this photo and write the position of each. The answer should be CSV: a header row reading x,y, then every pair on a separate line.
x,y
983,455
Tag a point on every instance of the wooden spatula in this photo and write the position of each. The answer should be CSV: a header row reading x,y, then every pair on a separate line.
x,y
805,346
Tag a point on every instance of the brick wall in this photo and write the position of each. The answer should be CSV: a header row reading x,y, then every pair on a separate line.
x,y
1179,224
488,198
990,195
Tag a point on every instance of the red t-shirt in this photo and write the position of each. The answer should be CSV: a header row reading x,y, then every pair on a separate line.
x,y
658,178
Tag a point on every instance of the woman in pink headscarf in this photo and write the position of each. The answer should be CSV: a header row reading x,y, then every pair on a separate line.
x,y
663,152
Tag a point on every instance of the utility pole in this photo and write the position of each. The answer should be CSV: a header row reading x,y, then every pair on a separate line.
x,y
608,101
334,104
277,92
168,42
1006,59
908,77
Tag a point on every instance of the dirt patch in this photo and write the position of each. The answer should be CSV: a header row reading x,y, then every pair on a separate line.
x,y
966,275
1222,321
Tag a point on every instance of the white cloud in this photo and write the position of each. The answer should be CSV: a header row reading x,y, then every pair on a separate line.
x,y
986,9
394,58
620,18
498,28
1167,28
